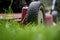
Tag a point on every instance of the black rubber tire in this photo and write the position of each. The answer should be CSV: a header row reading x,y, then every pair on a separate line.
x,y
32,13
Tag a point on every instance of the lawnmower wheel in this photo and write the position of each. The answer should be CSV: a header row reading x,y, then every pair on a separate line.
x,y
35,12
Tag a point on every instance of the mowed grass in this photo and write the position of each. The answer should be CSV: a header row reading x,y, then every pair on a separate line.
x,y
11,30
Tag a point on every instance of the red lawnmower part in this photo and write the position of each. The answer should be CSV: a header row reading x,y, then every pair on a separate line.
x,y
49,19
17,16
24,11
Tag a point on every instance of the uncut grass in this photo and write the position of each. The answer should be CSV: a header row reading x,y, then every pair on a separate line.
x,y
11,30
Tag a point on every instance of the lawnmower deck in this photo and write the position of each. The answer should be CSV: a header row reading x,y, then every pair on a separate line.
x,y
17,16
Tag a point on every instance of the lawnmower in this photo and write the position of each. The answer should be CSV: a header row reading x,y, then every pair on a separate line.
x,y
28,11
32,12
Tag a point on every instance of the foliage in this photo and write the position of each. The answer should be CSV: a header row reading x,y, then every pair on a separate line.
x,y
9,10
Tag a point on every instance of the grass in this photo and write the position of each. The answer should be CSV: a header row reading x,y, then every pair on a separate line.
x,y
11,30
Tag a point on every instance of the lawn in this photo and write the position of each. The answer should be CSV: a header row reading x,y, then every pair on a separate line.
x,y
11,30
